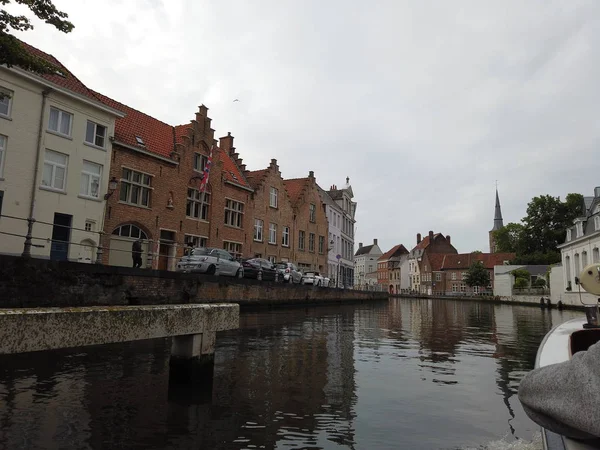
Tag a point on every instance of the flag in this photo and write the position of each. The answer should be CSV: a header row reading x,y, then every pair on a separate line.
x,y
206,172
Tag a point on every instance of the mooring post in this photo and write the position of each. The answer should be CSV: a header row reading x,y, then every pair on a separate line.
x,y
193,357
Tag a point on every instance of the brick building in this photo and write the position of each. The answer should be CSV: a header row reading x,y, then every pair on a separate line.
x,y
272,215
421,273
455,267
389,267
309,226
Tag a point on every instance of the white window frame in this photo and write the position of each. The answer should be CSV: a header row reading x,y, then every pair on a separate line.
x,y
595,255
3,141
475,289
597,223
273,197
285,237
273,233
90,177
95,134
197,203
453,276
438,276
312,212
90,225
579,228
9,95
201,159
235,248
259,226
569,234
54,166
141,185
61,117
197,241
234,213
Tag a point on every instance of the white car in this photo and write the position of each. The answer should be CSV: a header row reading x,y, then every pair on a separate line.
x,y
211,261
315,279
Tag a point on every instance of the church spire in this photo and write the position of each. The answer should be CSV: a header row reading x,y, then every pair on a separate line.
x,y
498,223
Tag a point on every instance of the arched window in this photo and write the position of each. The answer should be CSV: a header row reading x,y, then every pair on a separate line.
x,y
130,231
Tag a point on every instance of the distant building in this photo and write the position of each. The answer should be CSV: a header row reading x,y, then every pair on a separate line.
x,y
388,269
581,247
420,270
455,268
504,280
498,224
365,264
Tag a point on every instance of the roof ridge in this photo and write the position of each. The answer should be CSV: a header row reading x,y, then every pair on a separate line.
x,y
130,107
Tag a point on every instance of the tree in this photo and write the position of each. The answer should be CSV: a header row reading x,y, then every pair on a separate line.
x,y
477,275
12,52
509,238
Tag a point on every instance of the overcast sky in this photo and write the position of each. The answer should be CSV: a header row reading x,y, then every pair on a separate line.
x,y
423,104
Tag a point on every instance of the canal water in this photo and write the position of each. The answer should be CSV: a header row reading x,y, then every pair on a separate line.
x,y
403,374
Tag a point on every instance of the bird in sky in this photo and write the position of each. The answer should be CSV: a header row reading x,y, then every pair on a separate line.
x,y
236,100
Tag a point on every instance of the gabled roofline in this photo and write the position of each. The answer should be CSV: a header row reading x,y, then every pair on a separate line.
x,y
144,152
579,239
37,79
239,186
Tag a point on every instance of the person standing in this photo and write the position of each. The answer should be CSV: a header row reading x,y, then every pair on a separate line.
x,y
136,253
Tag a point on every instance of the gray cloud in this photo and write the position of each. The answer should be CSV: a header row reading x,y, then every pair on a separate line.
x,y
423,104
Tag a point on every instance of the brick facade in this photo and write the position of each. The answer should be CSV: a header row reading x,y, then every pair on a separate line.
x,y
433,244
271,208
455,268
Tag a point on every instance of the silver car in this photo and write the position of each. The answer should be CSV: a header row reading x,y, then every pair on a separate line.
x,y
212,261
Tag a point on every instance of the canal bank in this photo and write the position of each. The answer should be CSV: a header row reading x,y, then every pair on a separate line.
x,y
35,283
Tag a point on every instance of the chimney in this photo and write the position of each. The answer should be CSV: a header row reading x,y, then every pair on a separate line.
x,y
226,143
418,238
374,241
430,236
448,239
360,245
597,192
273,162
311,174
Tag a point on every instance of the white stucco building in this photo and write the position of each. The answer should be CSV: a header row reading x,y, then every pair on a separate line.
x,y
54,162
340,210
365,265
581,247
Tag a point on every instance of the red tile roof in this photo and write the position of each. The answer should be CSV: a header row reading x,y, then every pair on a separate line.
x,y
464,260
158,137
397,248
180,131
295,187
255,177
425,242
435,261
231,171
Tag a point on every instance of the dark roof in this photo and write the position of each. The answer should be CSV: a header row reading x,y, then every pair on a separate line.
x,y
537,269
498,224
364,250
394,251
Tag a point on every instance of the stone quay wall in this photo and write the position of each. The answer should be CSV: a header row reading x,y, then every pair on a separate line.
x,y
528,300
34,283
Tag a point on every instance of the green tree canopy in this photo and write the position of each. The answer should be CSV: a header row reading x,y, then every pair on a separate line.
x,y
477,275
543,228
12,52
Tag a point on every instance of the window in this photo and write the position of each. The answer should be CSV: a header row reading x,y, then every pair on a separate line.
x,y
60,121
95,134
568,270
234,213
321,244
454,287
130,231
596,255
463,287
5,102
200,162
577,269
597,223
235,248
258,230
301,240
568,235
453,275
192,241
579,228
311,242
584,260
90,225
285,237
1,198
55,170
272,233
140,141
3,140
475,289
273,198
135,188
464,275
312,213
90,179
197,205
438,276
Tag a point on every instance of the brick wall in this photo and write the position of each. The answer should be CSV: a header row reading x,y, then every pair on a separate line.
x,y
43,283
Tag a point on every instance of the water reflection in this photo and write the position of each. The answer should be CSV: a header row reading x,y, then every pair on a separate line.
x,y
399,374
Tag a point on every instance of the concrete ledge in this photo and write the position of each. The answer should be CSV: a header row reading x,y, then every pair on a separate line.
x,y
32,329
524,300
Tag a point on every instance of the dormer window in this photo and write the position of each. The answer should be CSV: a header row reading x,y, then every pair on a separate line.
x,y
579,228
568,235
139,140
597,223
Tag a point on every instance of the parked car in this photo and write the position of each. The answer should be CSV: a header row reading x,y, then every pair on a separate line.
x,y
212,261
314,278
288,272
253,266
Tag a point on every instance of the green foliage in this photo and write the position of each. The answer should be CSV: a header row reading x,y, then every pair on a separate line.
x,y
521,273
543,228
12,52
539,282
477,275
476,252
521,283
